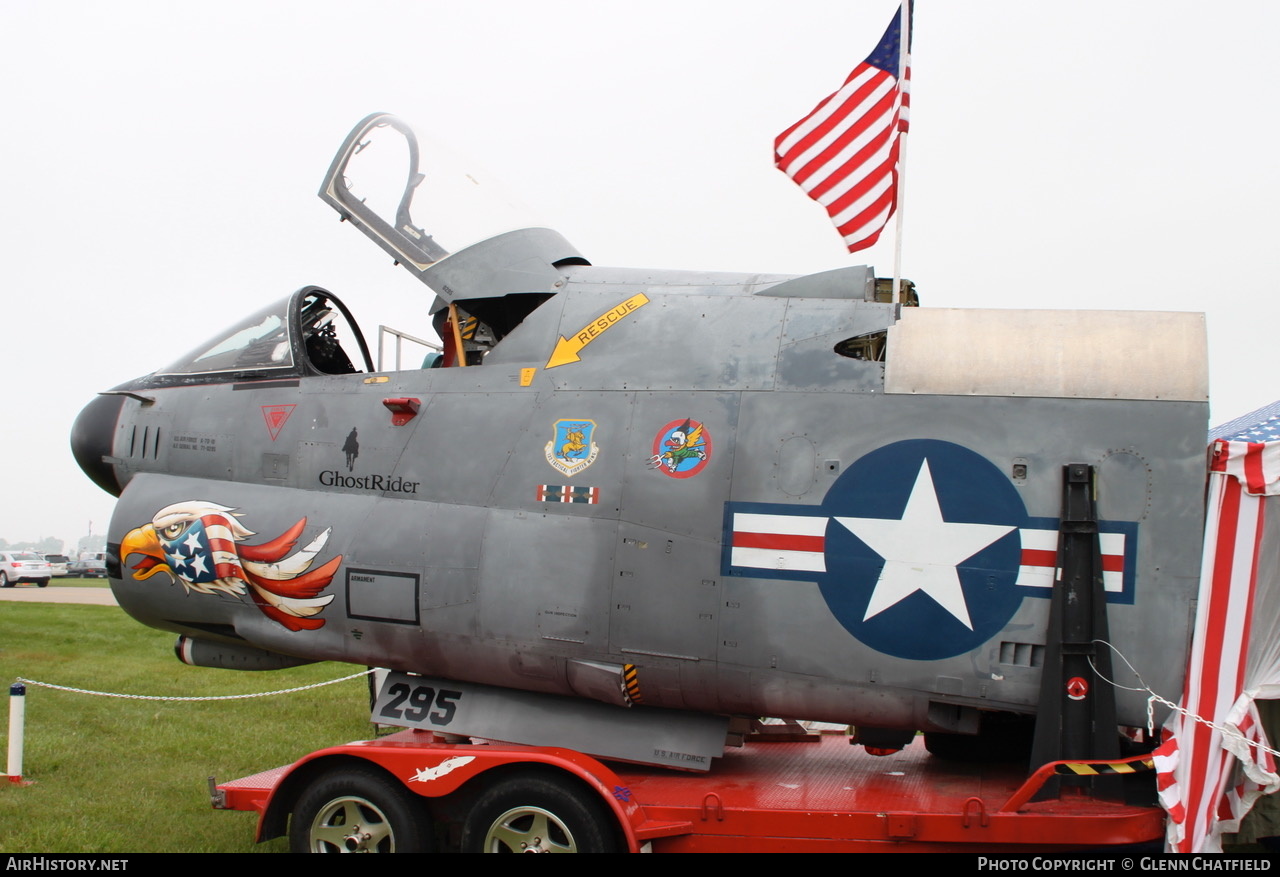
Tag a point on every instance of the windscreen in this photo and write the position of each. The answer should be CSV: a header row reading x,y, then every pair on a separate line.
x,y
260,341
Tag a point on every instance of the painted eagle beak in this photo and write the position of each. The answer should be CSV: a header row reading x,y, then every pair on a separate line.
x,y
144,541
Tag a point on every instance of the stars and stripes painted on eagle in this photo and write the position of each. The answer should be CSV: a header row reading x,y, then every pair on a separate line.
x,y
201,545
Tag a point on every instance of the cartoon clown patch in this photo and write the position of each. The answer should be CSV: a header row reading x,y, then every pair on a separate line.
x,y
681,449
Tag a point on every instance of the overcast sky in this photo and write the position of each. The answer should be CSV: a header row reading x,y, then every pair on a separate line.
x,y
162,162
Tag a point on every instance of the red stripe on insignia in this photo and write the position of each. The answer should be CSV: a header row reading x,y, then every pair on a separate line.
x,y
780,541
1039,557
1044,557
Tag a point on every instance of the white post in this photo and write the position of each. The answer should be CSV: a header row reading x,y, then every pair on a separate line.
x,y
17,721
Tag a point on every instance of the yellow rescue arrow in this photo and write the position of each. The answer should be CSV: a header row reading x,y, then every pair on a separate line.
x,y
567,349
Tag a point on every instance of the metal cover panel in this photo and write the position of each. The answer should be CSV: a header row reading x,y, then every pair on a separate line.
x,y
546,573
379,595
670,738
1055,354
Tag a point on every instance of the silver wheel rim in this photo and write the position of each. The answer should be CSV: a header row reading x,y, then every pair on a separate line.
x,y
351,824
529,830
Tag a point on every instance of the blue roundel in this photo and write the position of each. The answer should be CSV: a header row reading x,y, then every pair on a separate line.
x,y
922,549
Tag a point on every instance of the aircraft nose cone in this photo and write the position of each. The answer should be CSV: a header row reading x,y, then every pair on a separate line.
x,y
91,438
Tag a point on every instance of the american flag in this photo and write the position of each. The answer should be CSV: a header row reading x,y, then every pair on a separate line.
x,y
844,153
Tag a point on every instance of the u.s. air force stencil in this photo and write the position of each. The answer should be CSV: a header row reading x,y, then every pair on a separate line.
x,y
922,549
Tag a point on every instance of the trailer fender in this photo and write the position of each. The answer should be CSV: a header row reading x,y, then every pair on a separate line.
x,y
439,770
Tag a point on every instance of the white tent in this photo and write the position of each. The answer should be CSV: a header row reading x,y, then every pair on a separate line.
x,y
1211,766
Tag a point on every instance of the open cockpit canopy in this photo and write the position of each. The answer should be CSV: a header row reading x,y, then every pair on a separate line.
x,y
462,236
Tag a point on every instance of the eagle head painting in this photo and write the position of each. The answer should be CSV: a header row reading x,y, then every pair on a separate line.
x,y
202,545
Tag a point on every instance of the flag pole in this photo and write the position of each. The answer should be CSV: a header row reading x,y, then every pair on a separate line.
x,y
904,61
897,228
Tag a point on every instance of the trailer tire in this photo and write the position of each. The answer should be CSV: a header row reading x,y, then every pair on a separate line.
x,y
359,810
538,813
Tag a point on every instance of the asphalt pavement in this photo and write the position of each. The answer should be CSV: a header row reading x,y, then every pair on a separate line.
x,y
32,594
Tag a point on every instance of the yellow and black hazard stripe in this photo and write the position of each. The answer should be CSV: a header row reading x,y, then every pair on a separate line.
x,y
1109,768
631,683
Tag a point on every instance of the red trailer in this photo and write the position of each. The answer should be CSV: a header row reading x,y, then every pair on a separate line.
x,y
793,792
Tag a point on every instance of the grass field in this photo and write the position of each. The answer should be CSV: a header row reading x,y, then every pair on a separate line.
x,y
121,776
70,582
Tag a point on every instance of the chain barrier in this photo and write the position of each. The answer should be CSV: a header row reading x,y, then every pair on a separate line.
x,y
207,697
1153,699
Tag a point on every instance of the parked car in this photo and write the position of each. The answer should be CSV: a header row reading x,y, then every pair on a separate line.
x,y
59,565
89,569
23,566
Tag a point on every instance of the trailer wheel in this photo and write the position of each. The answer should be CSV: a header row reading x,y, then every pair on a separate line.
x,y
356,810
538,814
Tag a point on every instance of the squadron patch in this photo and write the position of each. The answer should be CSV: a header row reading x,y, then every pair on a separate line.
x,y
681,449
573,448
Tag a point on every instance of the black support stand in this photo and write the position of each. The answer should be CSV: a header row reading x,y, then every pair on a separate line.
x,y
1077,714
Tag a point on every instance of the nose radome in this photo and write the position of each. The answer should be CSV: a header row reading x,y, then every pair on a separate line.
x,y
91,437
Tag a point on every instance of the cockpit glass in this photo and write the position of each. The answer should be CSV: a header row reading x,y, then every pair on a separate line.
x,y
378,174
258,342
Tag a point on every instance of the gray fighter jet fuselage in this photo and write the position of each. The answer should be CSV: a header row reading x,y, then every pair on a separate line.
x,y
738,494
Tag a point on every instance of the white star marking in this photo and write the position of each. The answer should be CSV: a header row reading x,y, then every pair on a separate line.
x,y
921,551
193,543
197,564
